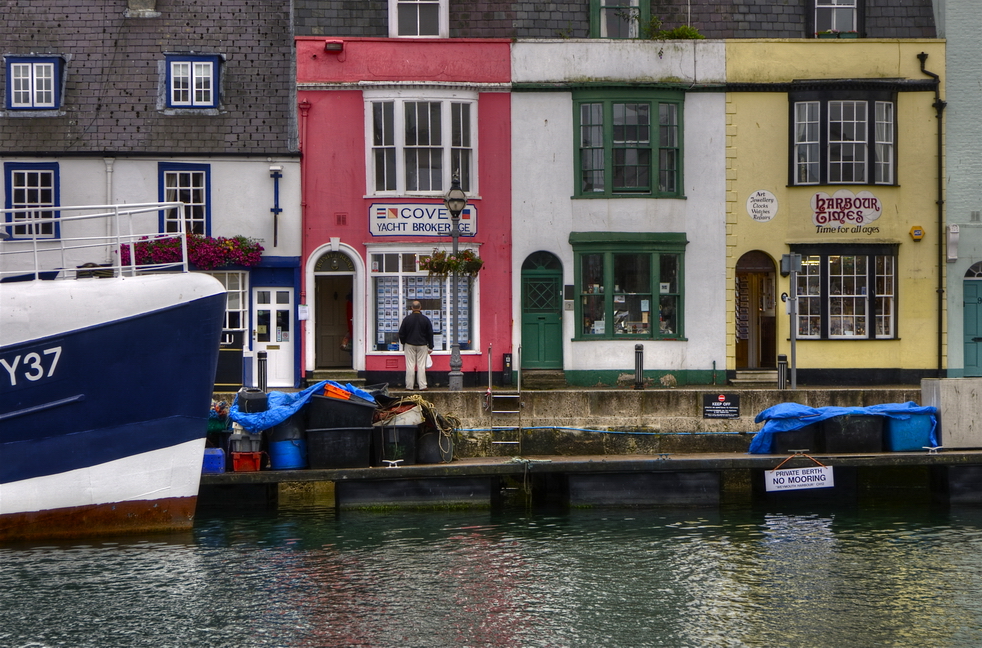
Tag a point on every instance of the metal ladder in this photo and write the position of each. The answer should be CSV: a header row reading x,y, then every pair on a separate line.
x,y
505,409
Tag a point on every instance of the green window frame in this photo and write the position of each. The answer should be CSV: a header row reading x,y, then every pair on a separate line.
x,y
629,285
618,18
628,144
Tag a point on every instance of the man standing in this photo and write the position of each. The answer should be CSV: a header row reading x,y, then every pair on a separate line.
x,y
416,335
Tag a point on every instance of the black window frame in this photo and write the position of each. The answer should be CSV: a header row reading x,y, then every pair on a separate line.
x,y
823,98
871,251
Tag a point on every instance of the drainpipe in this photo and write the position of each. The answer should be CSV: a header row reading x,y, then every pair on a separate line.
x,y
110,225
304,107
939,107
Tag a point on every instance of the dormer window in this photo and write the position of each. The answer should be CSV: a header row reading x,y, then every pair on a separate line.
x,y
839,16
419,18
34,83
192,81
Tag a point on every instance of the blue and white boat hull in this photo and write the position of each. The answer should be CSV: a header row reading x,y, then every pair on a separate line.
x,y
105,389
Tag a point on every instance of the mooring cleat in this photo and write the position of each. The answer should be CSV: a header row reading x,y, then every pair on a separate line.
x,y
393,463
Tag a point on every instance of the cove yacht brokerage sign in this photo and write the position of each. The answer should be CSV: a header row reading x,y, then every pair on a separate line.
x,y
418,219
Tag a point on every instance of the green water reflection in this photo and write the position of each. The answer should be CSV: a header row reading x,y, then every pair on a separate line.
x,y
308,577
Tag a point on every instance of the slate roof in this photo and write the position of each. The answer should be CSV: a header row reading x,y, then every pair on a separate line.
x,y
113,77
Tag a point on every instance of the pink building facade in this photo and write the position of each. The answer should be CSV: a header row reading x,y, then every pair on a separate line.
x,y
384,126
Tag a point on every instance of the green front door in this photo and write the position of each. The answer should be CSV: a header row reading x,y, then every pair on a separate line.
x,y
542,312
973,327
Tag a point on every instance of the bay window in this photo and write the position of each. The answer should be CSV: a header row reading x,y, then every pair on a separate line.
x,y
417,144
843,138
628,144
847,292
397,281
629,284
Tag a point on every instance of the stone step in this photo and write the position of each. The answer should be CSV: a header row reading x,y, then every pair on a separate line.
x,y
343,376
543,379
752,377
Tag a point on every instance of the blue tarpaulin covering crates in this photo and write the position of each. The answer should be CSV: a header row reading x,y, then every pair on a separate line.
x,y
891,427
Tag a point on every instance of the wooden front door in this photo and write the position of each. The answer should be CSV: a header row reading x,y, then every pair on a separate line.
x,y
755,317
333,321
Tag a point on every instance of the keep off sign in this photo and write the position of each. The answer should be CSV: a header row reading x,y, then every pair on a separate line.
x,y
799,478
719,406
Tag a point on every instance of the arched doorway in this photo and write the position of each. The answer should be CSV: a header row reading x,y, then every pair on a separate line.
x,y
756,341
333,304
542,312
972,313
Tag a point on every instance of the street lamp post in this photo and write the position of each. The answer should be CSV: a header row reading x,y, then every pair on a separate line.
x,y
455,201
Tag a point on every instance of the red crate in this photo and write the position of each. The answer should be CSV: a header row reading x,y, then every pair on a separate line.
x,y
246,461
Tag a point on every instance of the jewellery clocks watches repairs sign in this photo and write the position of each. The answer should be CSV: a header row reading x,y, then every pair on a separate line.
x,y
846,213
762,206
720,406
421,219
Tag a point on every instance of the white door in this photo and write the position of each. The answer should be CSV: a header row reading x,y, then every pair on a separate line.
x,y
273,332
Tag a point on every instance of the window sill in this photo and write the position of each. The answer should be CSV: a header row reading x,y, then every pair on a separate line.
x,y
600,196
33,113
626,338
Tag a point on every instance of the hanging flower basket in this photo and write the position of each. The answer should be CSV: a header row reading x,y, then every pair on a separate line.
x,y
442,264
205,252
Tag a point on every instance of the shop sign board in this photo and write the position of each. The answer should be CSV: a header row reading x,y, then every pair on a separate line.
x,y
419,219
845,212
762,206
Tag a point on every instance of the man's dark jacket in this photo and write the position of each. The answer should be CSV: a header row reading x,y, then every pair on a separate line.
x,y
416,330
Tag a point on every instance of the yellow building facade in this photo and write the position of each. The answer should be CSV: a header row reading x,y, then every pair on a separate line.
x,y
833,156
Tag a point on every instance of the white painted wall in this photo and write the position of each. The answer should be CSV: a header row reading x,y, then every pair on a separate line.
x,y
241,193
543,213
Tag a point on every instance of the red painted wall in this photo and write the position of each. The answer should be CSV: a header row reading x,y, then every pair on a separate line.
x,y
333,141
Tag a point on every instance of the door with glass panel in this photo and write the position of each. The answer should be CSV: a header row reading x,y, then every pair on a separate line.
x,y
273,332
542,312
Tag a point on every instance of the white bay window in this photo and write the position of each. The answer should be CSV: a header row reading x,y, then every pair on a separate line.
x,y
417,144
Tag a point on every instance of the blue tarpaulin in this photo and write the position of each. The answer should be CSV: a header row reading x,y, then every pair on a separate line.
x,y
282,405
785,417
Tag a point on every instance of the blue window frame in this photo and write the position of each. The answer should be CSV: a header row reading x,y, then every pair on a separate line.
x,y
191,185
33,82
29,185
192,81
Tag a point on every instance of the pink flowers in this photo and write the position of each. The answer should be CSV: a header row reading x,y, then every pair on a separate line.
x,y
205,252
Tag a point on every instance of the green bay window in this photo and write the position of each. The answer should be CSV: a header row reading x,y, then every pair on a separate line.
x,y
628,144
629,284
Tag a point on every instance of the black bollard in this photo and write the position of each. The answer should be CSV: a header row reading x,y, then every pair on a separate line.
x,y
262,370
639,366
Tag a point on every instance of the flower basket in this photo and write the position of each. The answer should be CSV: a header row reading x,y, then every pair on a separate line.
x,y
205,252
442,264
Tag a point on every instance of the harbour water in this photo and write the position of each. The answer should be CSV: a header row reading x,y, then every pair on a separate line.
x,y
308,577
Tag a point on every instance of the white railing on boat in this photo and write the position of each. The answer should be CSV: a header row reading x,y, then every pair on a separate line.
x,y
86,241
